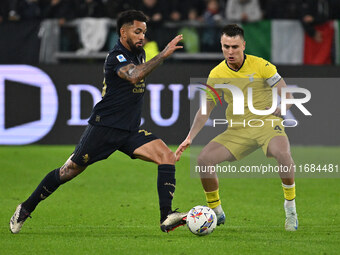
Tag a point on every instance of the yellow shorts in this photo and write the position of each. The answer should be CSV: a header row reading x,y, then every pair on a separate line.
x,y
242,141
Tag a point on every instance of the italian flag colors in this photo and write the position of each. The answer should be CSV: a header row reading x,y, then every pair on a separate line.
x,y
284,42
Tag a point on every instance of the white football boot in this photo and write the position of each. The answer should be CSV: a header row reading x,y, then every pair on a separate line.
x,y
220,218
173,220
220,215
18,219
291,223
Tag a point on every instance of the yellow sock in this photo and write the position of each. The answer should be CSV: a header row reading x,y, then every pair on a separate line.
x,y
289,191
213,198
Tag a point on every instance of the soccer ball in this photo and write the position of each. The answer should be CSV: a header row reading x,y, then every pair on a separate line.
x,y
201,220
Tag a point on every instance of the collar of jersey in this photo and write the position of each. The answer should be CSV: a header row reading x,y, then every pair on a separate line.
x,y
129,53
244,59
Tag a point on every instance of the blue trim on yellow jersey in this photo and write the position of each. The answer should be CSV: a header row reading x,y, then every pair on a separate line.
x,y
245,56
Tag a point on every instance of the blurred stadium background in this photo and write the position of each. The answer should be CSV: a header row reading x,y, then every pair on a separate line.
x,y
63,44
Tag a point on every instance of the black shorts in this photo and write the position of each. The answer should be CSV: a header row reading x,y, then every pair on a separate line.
x,y
98,143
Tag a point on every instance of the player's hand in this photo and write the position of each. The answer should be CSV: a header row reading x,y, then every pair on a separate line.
x,y
184,145
172,46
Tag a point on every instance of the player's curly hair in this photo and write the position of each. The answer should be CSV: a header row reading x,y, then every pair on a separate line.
x,y
127,17
233,30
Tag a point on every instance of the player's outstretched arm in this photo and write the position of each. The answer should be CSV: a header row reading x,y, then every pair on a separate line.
x,y
196,127
182,147
136,73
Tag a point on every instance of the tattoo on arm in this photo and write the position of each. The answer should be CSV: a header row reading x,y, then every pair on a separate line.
x,y
134,73
125,72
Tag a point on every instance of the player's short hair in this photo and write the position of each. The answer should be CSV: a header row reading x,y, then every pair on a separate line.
x,y
127,17
233,30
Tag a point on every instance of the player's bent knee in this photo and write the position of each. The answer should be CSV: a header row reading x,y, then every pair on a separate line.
x,y
282,154
70,170
204,160
167,157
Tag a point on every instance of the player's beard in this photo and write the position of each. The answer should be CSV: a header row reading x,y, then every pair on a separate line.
x,y
133,47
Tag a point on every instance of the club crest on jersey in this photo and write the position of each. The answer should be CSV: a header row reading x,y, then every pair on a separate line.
x,y
121,58
251,77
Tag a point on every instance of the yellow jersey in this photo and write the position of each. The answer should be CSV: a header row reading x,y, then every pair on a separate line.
x,y
255,73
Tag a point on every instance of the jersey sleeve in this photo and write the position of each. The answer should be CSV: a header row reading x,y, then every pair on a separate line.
x,y
116,60
269,73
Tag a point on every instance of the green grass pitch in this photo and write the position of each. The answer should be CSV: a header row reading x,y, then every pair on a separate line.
x,y
112,208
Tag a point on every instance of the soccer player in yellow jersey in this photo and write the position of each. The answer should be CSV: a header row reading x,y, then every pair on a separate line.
x,y
239,140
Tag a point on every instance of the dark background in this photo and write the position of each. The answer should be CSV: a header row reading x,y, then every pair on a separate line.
x,y
22,102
